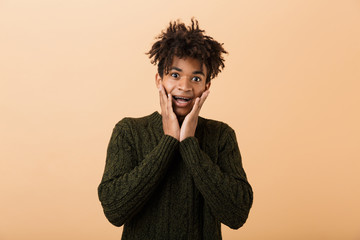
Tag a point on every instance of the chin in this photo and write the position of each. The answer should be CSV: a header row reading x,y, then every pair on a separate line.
x,y
182,113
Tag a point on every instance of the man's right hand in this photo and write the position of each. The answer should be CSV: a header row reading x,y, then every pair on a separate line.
x,y
170,122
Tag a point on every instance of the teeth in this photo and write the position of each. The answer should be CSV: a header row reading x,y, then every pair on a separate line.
x,y
187,99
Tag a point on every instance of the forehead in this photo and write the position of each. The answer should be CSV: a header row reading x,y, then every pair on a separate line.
x,y
188,64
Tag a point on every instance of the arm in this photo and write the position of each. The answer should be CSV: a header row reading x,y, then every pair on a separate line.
x,y
224,185
125,188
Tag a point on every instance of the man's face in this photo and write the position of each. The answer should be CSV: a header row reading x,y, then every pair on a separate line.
x,y
185,82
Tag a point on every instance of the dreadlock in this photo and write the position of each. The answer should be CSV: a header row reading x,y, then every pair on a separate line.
x,y
181,41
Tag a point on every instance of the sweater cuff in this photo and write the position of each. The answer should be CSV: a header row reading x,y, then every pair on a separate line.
x,y
189,149
167,144
170,137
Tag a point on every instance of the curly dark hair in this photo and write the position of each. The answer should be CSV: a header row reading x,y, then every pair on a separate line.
x,y
181,41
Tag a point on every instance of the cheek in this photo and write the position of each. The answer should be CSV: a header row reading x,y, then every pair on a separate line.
x,y
167,87
170,87
198,92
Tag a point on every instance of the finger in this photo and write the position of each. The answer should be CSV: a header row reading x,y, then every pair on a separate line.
x,y
164,98
195,109
169,103
162,101
165,95
199,102
203,97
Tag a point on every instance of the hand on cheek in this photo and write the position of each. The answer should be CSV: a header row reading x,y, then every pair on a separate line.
x,y
169,119
190,122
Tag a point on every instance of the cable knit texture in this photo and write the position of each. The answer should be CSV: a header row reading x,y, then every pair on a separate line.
x,y
161,188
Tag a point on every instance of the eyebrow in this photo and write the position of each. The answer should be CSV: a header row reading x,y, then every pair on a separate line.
x,y
180,70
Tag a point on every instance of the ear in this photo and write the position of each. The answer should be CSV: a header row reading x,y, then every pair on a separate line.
x,y
207,85
157,80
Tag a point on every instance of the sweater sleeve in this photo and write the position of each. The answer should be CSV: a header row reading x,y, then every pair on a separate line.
x,y
126,186
223,185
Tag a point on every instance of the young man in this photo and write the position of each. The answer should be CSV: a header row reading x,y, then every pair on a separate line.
x,y
176,175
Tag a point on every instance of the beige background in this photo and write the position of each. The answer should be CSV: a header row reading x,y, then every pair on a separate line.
x,y
70,70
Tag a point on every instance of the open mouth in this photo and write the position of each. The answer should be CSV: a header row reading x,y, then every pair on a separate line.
x,y
181,99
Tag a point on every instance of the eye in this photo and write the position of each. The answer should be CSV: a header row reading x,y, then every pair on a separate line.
x,y
196,79
174,75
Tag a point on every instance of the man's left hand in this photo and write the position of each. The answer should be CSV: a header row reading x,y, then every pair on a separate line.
x,y
190,122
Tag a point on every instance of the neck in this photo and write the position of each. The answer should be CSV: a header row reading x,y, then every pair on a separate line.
x,y
180,120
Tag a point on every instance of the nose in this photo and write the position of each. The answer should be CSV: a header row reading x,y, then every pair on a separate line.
x,y
184,84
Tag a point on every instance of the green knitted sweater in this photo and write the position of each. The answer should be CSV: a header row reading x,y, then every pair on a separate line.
x,y
161,188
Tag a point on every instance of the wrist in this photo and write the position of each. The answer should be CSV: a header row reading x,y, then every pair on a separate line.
x,y
186,136
172,136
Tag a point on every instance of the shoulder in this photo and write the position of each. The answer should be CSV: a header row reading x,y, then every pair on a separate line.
x,y
214,125
130,122
130,127
219,134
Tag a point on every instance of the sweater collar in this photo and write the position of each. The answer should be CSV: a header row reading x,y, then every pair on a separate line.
x,y
157,119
